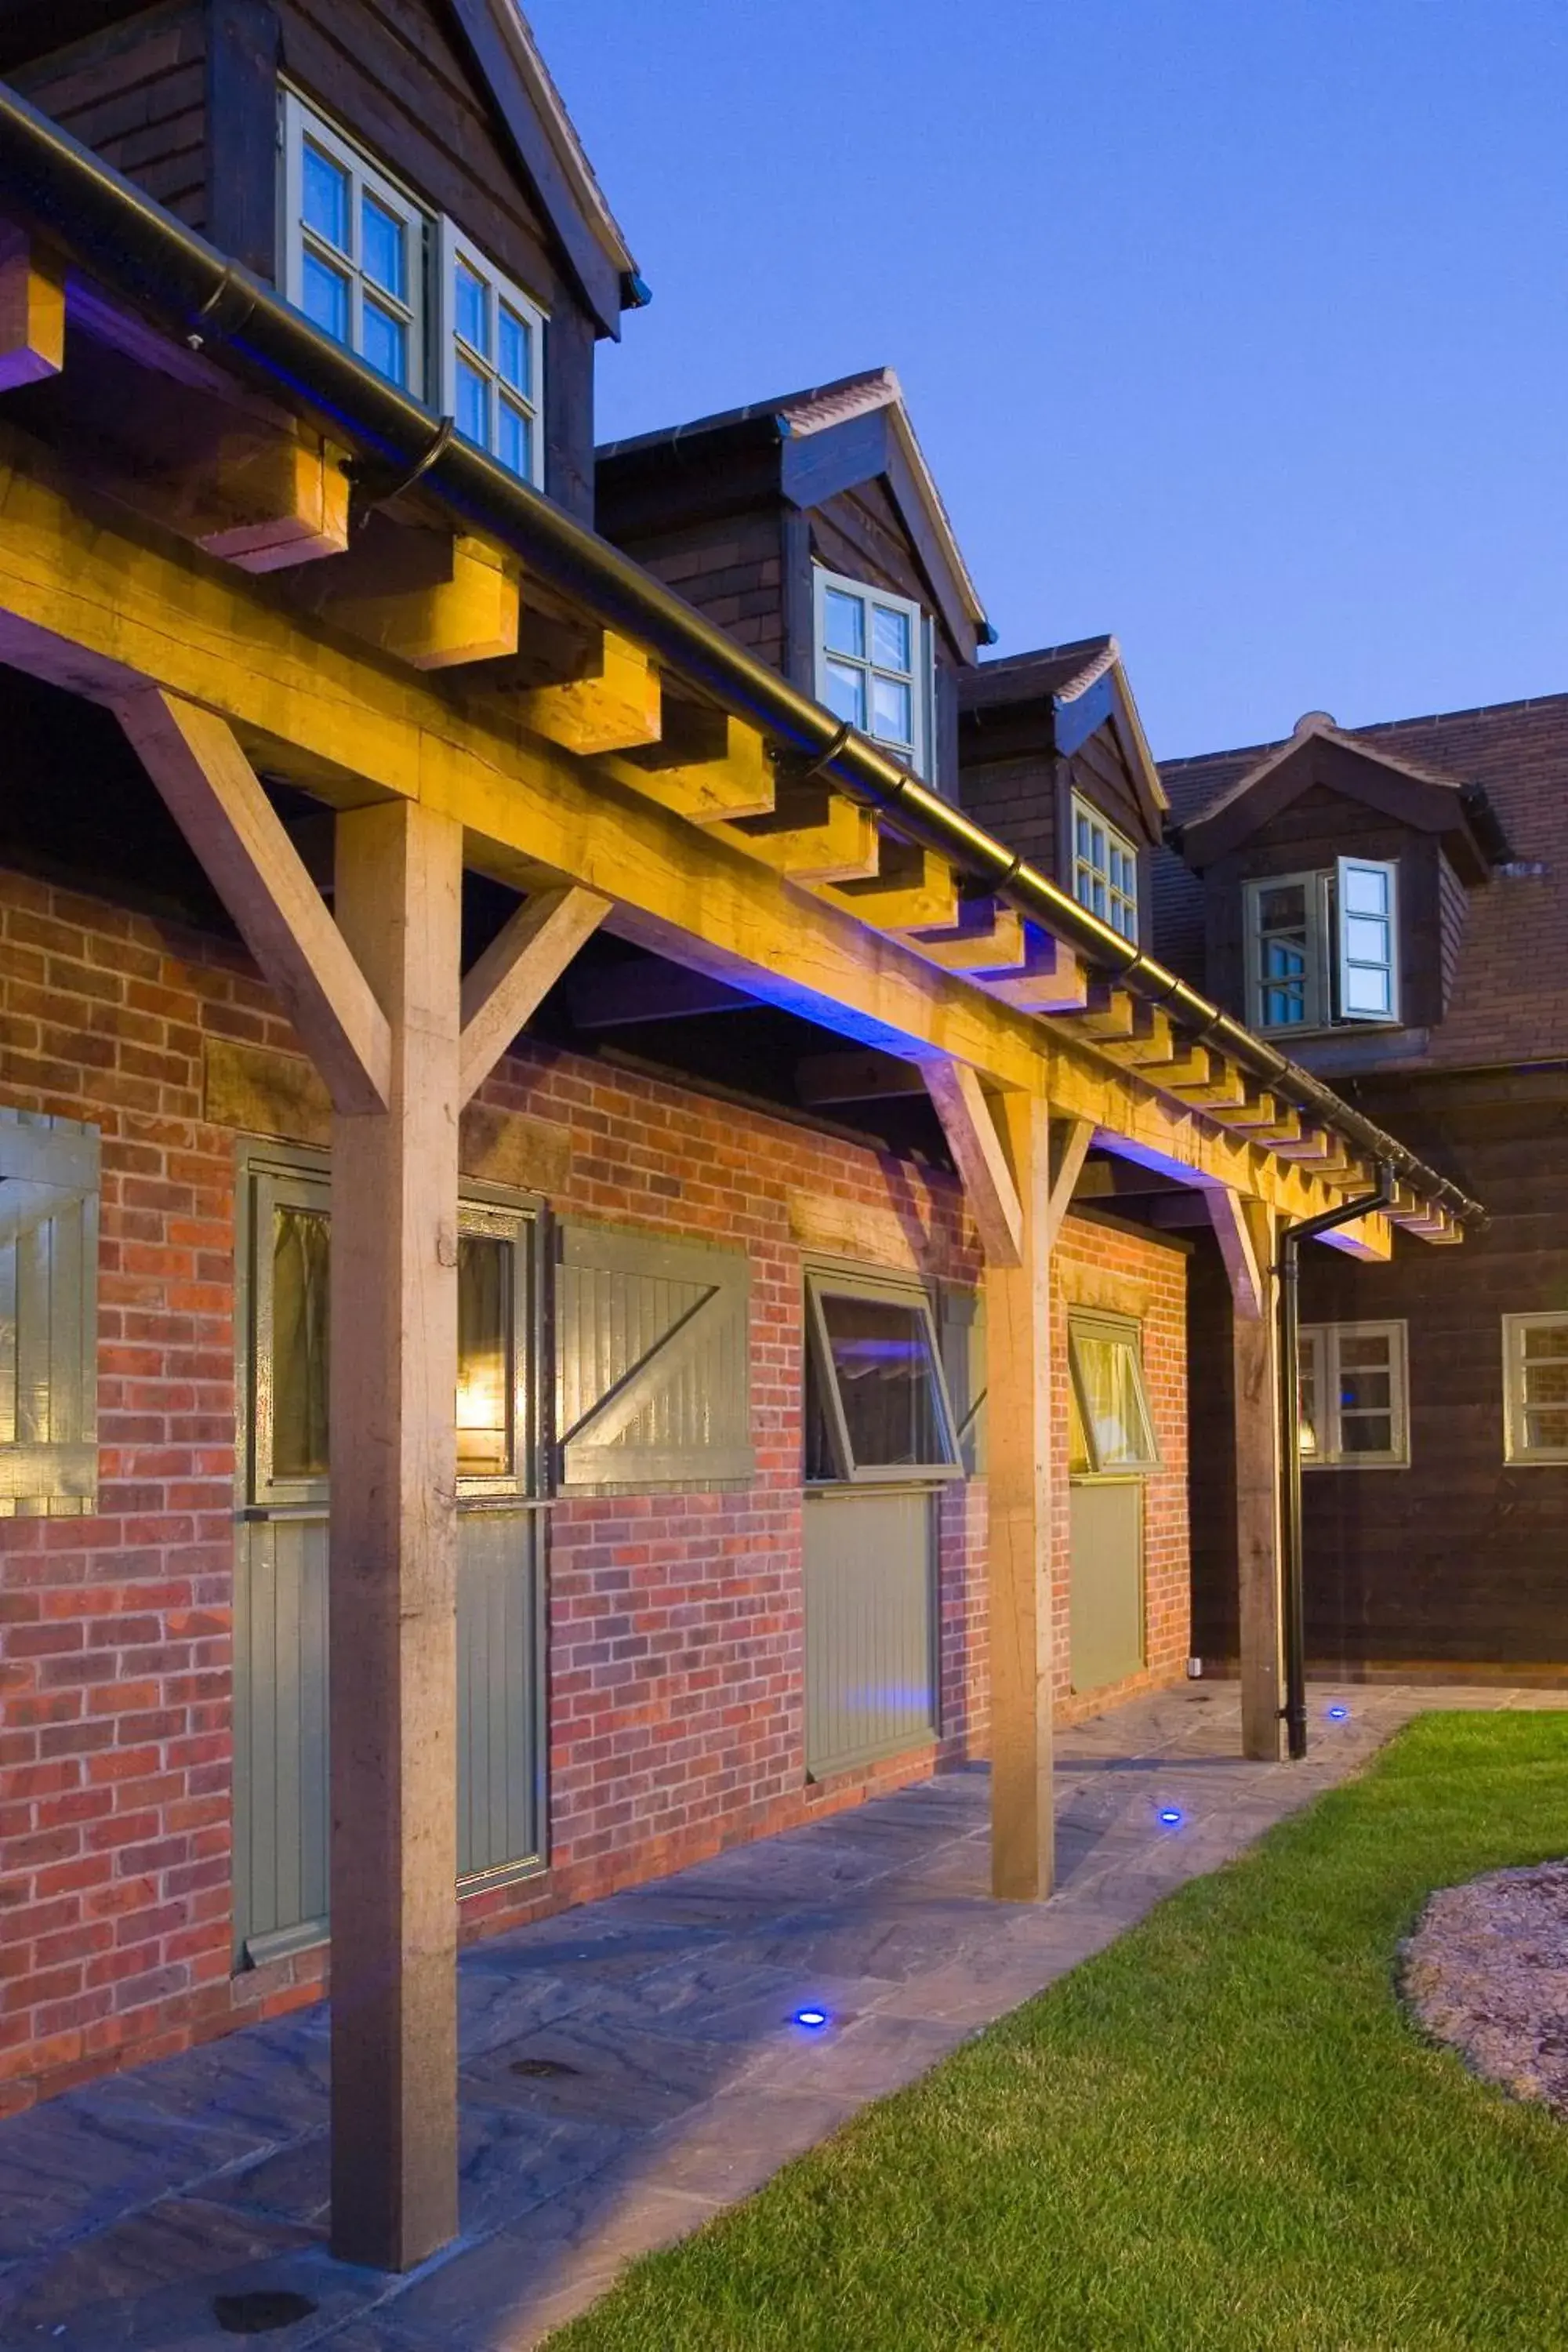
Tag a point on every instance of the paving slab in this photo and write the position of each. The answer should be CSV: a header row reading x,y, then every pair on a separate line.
x,y
630,2068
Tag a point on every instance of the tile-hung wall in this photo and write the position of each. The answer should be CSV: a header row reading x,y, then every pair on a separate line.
x,y
674,1606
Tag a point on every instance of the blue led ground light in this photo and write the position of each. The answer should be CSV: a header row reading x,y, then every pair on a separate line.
x,y
1338,1713
814,2018
1170,1817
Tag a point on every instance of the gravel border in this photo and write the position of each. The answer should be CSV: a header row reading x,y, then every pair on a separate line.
x,y
1486,1972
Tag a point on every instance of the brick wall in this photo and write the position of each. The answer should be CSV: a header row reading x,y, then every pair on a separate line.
x,y
675,1625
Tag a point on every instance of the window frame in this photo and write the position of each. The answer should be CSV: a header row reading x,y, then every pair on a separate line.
x,y
50,1191
1127,1331
1517,1451
1083,809
829,1281
922,675
302,119
1328,959
452,247
1322,1342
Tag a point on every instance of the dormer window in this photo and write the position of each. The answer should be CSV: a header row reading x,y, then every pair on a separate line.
x,y
407,291
874,664
1322,948
1104,869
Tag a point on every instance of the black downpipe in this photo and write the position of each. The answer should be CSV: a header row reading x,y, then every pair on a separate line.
x,y
124,240
1289,1270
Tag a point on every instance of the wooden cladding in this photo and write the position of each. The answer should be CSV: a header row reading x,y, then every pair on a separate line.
x,y
48,1316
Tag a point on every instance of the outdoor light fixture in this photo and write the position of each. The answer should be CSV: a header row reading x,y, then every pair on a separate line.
x,y
814,2018
1171,1817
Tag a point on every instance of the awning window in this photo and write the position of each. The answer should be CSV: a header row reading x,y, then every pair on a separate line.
x,y
1112,1429
877,1406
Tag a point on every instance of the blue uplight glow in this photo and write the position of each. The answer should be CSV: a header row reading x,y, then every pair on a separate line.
x,y
814,2018
1170,1817
1338,1713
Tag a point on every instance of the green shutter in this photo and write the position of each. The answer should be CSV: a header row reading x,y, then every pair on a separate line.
x,y
48,1316
961,1327
653,1385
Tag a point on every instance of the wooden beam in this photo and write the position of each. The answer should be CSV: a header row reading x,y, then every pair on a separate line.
x,y
625,995
984,937
1249,1282
813,833
392,1573
215,797
466,610
285,496
1053,980
524,960
1108,1014
822,1080
1254,1387
981,1159
1020,1381
31,312
616,705
706,766
911,887
1069,1141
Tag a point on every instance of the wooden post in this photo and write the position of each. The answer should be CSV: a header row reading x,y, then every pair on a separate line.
x,y
1255,1369
1018,1440
392,1573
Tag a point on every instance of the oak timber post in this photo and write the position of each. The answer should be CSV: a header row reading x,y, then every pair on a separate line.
x,y
393,1557
1255,1389
1019,1551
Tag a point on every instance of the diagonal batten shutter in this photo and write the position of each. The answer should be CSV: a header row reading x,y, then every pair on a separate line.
x,y
48,1316
653,1362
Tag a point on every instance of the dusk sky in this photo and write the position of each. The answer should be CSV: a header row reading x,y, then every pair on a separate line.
x,y
1238,327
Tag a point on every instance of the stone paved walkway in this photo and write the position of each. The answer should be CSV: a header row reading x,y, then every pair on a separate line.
x,y
630,2067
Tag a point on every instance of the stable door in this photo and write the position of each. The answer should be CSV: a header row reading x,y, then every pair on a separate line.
x,y
1111,1449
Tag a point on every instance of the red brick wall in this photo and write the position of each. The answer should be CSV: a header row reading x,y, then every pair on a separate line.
x,y
676,1628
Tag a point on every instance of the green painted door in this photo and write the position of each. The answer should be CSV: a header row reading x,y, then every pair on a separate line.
x,y
1107,1565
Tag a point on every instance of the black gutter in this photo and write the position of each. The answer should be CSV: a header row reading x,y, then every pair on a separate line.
x,y
1291,1546
125,242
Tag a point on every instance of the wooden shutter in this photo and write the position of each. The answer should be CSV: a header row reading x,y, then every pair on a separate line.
x,y
653,1377
48,1316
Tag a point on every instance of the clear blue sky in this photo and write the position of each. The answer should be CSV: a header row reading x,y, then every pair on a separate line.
x,y
1239,327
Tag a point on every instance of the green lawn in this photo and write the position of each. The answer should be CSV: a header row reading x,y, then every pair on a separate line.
x,y
1222,2133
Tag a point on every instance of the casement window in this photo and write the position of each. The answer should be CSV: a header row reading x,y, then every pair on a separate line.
x,y
1104,869
652,1362
1323,948
288,1351
873,656
407,291
493,341
877,1406
1111,1430
1535,1387
48,1316
1354,1396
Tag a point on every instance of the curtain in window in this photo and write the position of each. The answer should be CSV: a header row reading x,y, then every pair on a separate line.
x,y
301,1333
1110,1394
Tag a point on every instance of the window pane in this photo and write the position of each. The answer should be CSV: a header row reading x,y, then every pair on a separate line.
x,y
1366,1392
325,205
1284,909
887,1382
1366,1433
386,342
1283,1007
514,440
484,1356
1365,942
1364,1348
1113,1397
1545,1382
843,691
890,638
1082,824
1284,959
843,623
1546,1432
324,296
473,405
892,710
384,248
1546,1339
301,1257
1368,990
1079,1463
1366,891
473,310
1307,1422
515,353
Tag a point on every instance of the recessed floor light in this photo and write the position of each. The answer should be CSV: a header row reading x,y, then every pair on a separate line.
x,y
814,2018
